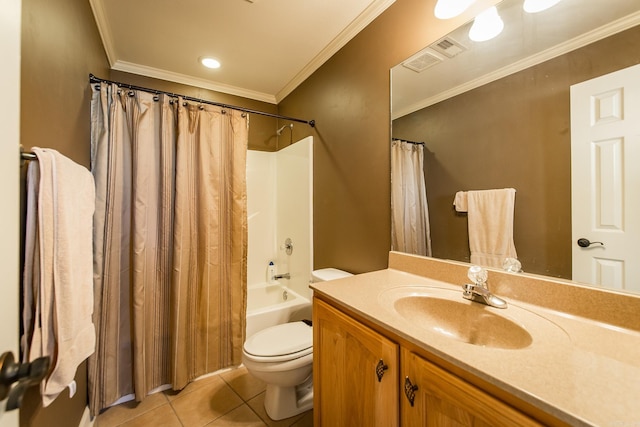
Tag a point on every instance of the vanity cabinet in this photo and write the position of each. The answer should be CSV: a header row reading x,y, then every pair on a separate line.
x,y
435,398
347,391
355,372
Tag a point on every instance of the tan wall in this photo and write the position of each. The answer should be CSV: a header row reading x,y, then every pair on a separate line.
x,y
349,98
514,132
60,47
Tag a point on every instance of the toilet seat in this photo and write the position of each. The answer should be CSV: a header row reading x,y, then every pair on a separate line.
x,y
279,343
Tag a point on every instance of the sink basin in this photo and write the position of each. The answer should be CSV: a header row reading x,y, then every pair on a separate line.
x,y
467,322
444,312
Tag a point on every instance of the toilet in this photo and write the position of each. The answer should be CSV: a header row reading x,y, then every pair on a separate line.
x,y
282,357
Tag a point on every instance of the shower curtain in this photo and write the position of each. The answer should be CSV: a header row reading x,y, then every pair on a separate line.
x,y
410,230
170,241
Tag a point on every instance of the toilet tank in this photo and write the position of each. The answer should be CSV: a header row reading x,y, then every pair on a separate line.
x,y
325,274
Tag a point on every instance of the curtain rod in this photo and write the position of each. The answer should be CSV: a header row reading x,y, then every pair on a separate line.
x,y
410,142
94,79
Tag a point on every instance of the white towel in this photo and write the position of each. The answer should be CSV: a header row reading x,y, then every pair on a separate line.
x,y
58,274
460,201
490,218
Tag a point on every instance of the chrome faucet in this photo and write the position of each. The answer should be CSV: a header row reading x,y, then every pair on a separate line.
x,y
282,276
479,291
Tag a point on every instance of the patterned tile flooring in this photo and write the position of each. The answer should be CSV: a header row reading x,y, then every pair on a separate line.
x,y
232,398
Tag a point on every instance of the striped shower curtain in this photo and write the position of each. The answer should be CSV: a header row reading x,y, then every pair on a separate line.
x,y
170,241
410,230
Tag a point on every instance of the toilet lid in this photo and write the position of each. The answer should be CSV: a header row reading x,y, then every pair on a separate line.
x,y
280,340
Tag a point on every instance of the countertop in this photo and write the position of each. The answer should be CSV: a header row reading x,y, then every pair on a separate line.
x,y
579,370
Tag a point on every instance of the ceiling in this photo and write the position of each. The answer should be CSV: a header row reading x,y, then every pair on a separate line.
x,y
266,47
527,39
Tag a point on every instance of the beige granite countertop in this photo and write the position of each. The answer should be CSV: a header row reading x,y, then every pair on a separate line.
x,y
580,370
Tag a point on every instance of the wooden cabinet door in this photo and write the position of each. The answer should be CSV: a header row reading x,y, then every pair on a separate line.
x,y
444,400
346,355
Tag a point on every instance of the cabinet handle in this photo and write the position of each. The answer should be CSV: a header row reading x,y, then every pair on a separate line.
x,y
380,368
410,390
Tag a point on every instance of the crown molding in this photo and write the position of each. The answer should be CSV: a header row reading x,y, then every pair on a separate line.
x,y
160,74
553,52
103,28
365,18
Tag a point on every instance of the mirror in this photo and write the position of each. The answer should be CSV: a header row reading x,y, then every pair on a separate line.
x,y
496,114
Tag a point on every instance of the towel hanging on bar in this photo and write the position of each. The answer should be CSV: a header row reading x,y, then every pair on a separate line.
x,y
490,224
58,271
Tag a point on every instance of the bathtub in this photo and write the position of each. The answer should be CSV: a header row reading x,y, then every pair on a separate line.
x,y
273,304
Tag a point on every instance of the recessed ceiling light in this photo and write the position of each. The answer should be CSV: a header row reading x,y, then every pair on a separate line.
x,y
210,62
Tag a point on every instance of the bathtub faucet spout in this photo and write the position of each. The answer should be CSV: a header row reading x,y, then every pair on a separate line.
x,y
282,276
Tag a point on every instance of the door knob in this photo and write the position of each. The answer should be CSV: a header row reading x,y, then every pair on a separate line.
x,y
25,374
585,243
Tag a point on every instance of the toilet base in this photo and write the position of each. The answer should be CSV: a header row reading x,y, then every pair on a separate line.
x,y
286,402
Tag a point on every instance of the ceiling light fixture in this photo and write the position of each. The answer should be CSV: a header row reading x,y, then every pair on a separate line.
x,y
446,9
534,6
210,62
486,26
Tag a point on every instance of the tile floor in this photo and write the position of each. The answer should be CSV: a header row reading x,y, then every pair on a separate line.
x,y
233,398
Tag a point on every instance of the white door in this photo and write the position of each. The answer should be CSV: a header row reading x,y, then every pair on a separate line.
x,y
605,179
9,184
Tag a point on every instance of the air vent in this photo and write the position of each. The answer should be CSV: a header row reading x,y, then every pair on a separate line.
x,y
422,60
448,47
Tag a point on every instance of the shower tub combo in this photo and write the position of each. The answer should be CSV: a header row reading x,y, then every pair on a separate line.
x,y
274,304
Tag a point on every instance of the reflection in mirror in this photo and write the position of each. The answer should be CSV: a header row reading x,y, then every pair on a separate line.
x,y
497,114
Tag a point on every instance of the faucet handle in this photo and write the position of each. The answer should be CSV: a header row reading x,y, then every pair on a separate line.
x,y
478,275
512,265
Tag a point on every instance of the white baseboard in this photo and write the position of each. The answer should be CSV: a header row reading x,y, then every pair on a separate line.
x,y
86,420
